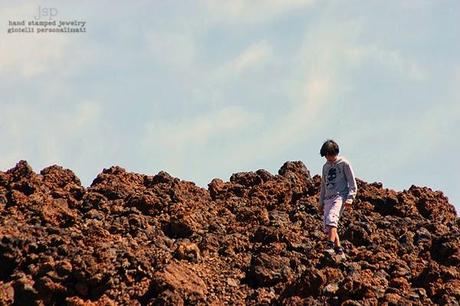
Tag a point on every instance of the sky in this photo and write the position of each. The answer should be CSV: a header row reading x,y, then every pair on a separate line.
x,y
203,89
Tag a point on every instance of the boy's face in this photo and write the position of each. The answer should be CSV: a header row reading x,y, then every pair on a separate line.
x,y
331,158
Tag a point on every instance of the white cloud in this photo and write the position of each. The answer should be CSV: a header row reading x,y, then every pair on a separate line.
x,y
27,55
172,48
179,143
456,82
392,59
250,12
34,132
253,57
308,92
181,133
87,112
317,82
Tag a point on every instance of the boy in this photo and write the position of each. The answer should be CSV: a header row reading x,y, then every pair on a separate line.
x,y
338,190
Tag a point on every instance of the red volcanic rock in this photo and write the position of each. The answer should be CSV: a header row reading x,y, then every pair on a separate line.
x,y
134,239
179,283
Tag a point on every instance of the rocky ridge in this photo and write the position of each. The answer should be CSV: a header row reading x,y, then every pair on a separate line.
x,y
134,239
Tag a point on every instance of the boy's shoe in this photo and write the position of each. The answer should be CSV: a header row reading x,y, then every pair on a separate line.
x,y
340,253
329,248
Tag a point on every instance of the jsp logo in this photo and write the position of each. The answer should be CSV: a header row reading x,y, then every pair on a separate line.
x,y
49,12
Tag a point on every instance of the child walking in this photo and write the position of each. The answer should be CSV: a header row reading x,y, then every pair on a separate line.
x,y
338,190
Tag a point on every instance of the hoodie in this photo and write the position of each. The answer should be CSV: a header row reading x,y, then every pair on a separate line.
x,y
338,179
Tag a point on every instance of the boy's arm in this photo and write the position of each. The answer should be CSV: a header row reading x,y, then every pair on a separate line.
x,y
323,190
352,186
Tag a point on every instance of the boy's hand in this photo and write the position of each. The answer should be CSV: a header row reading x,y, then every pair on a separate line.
x,y
348,203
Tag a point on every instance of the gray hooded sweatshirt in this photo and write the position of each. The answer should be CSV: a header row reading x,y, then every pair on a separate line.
x,y
337,179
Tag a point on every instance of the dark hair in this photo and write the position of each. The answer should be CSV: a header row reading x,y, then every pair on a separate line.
x,y
329,147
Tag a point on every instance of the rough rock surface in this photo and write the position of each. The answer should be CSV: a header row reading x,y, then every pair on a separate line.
x,y
133,239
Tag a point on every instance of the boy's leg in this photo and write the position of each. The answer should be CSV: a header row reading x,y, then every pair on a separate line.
x,y
342,207
332,212
334,236
329,248
328,203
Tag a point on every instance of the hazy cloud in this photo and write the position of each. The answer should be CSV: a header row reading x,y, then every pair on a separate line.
x,y
250,12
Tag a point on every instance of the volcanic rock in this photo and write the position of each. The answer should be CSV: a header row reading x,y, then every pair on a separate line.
x,y
134,239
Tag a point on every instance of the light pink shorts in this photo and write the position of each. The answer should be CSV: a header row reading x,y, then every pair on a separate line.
x,y
333,209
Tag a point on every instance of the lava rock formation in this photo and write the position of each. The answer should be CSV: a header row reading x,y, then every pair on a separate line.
x,y
134,239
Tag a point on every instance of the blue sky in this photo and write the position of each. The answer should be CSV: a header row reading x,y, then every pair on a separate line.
x,y
203,89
